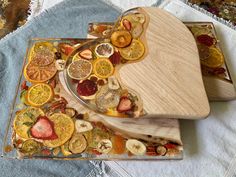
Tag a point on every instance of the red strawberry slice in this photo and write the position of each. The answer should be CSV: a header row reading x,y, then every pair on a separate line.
x,y
115,58
124,105
127,24
86,54
43,129
66,48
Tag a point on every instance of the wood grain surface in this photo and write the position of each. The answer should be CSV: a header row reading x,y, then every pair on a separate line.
x,y
169,79
219,89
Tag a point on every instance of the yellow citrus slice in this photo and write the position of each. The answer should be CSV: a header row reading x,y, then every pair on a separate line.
x,y
80,69
39,94
25,119
134,51
64,128
215,59
34,73
103,68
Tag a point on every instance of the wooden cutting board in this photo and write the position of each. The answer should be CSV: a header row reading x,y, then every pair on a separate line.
x,y
169,78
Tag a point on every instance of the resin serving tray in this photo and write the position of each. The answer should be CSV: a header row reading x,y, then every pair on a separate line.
x,y
216,76
143,74
224,10
217,81
61,128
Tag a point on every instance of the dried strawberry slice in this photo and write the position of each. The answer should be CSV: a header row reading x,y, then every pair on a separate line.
x,y
87,88
124,105
115,58
127,24
205,39
43,129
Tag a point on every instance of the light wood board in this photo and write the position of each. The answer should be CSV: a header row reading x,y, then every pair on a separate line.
x,y
219,89
169,78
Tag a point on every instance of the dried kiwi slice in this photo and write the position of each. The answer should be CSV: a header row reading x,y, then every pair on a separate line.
x,y
30,147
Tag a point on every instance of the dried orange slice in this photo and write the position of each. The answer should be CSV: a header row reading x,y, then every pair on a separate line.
x,y
134,51
121,38
25,119
80,69
103,68
39,94
215,59
64,128
36,74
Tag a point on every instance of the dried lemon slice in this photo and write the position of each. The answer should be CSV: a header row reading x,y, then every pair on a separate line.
x,y
80,69
134,51
36,74
103,68
215,59
64,128
25,119
39,94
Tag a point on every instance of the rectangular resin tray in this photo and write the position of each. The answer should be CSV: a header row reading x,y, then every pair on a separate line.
x,y
19,141
223,10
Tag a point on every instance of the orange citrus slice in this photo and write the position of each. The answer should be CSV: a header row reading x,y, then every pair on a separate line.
x,y
34,73
80,69
39,94
103,68
134,51
215,59
64,128
25,119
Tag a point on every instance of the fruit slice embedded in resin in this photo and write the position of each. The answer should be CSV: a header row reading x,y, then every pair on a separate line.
x,y
77,143
135,147
80,69
64,128
86,88
103,68
121,38
134,51
36,74
39,94
215,58
25,119
104,50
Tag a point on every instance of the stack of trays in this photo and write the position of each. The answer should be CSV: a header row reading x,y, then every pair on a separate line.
x,y
119,93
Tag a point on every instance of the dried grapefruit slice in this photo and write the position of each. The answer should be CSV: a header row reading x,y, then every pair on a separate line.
x,y
43,57
80,69
36,74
